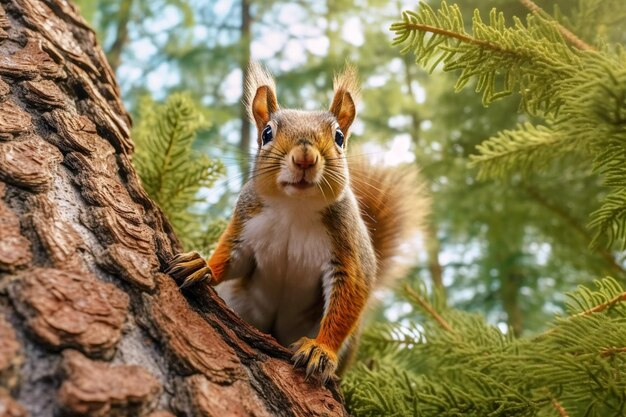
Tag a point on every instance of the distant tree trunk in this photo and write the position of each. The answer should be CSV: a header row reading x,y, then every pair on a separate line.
x,y
510,291
511,275
244,143
89,326
433,246
121,36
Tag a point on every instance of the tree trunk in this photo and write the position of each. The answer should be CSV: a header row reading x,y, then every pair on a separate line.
x,y
121,36
433,246
510,285
89,326
246,41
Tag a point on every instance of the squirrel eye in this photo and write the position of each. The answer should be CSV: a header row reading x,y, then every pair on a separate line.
x,y
339,137
267,135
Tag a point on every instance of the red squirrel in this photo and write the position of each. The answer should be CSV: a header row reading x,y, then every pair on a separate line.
x,y
312,234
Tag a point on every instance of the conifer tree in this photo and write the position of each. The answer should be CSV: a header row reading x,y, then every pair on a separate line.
x,y
451,363
576,90
172,173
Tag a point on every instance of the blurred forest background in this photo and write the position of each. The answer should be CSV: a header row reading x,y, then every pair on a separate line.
x,y
508,249
505,246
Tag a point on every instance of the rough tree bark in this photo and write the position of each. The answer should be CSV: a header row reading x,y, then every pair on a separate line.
x,y
89,326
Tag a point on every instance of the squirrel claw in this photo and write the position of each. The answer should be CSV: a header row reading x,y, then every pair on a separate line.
x,y
188,268
316,358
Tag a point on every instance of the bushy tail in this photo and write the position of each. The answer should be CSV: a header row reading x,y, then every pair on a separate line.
x,y
394,204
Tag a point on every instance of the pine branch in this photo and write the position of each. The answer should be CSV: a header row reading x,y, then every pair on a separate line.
x,y
428,308
610,219
458,364
167,158
525,149
567,34
529,59
483,372
449,34
579,92
172,172
558,407
603,306
612,351
576,226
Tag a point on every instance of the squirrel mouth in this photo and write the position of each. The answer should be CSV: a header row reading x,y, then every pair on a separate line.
x,y
300,185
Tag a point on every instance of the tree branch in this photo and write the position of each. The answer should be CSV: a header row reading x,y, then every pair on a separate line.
x,y
558,407
576,226
566,33
425,305
601,307
612,351
450,34
121,38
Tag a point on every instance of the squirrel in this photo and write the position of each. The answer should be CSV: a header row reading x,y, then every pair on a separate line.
x,y
312,234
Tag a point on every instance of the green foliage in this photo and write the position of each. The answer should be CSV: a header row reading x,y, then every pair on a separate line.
x,y
528,148
450,363
439,361
171,172
87,8
518,57
608,294
523,236
580,94
595,21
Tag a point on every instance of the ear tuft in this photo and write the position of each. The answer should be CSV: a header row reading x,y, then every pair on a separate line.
x,y
347,94
260,94
348,80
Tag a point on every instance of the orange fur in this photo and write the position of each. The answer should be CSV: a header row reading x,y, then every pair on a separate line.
x,y
220,257
394,204
345,305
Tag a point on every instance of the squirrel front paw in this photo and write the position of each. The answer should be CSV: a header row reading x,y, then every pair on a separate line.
x,y
189,268
316,358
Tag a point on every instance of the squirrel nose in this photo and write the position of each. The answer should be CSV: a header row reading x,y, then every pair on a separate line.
x,y
304,161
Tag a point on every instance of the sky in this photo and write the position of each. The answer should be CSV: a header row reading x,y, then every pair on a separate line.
x,y
310,38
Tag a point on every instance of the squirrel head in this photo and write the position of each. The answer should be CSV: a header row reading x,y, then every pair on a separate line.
x,y
301,154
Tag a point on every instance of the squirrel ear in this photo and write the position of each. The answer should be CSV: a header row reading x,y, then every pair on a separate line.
x,y
263,105
260,98
343,107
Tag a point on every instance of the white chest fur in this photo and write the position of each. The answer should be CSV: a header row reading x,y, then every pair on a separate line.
x,y
291,249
